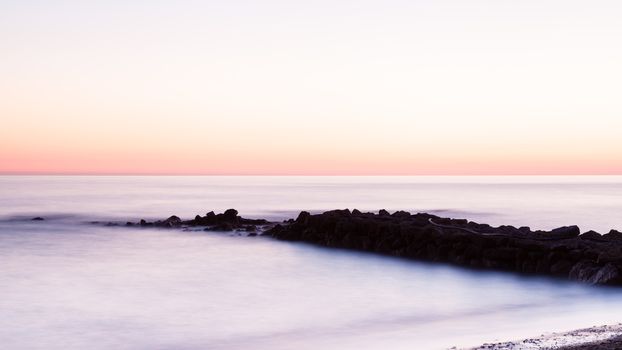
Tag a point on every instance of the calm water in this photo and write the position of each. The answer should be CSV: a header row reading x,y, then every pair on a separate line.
x,y
67,285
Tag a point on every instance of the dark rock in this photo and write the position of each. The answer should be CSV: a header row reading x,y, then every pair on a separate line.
x,y
583,271
343,212
561,267
592,235
225,226
230,215
303,217
38,218
227,221
276,230
560,252
593,273
401,214
613,235
608,274
172,221
566,231
459,222
253,221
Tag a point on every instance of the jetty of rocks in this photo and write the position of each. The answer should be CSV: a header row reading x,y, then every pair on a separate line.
x,y
563,252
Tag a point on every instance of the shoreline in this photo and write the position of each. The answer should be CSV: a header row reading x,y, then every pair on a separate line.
x,y
607,337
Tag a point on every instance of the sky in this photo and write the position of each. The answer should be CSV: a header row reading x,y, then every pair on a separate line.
x,y
276,87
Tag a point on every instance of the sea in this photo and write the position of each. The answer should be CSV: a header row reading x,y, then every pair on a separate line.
x,y
66,283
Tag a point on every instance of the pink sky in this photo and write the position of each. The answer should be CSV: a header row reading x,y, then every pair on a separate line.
x,y
239,163
333,88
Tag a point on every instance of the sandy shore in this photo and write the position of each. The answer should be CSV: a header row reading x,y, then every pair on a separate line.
x,y
602,337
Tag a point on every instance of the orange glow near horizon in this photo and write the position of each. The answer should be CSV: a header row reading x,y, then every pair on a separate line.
x,y
235,163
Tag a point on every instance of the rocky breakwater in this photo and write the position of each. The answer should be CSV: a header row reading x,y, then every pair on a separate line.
x,y
563,252
227,221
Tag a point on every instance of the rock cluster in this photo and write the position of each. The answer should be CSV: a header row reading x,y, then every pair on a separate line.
x,y
563,252
227,221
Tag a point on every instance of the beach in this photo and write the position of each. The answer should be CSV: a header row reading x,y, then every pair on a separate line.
x,y
601,337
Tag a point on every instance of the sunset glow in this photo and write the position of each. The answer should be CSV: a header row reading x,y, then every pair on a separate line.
x,y
353,88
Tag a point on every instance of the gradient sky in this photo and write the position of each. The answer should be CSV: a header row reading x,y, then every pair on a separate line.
x,y
315,87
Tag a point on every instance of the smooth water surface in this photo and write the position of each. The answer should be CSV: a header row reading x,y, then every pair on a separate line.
x,y
66,284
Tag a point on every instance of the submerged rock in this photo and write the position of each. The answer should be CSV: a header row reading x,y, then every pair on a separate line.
x,y
172,221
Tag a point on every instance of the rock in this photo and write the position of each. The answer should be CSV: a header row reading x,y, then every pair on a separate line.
x,y
559,252
561,267
303,217
567,231
276,230
344,212
38,218
459,222
608,274
230,215
613,235
591,235
253,221
401,214
173,221
225,226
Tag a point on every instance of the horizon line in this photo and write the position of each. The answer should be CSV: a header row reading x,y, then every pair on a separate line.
x,y
294,174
